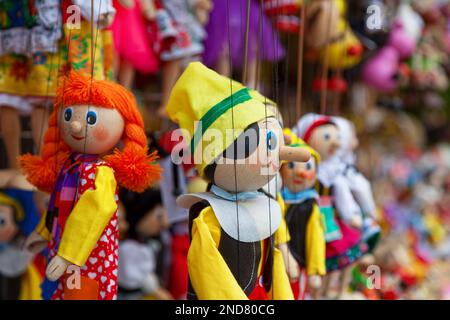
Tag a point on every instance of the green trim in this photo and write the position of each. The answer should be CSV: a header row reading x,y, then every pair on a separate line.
x,y
215,112
297,145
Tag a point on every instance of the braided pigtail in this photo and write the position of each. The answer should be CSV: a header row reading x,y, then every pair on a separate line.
x,y
41,171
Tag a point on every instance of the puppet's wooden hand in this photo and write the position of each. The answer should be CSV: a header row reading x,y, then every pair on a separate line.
x,y
35,243
356,221
292,267
56,268
315,281
106,19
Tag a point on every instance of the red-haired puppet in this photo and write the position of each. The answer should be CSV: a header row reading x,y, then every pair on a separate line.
x,y
76,166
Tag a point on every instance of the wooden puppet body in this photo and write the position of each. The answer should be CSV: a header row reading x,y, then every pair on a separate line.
x,y
221,264
307,242
81,226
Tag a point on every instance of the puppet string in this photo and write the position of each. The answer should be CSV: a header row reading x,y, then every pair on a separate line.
x,y
233,128
323,80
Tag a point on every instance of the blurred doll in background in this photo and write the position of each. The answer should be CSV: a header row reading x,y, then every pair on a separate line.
x,y
19,274
146,217
228,21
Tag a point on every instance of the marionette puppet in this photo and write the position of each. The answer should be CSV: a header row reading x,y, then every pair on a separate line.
x,y
146,217
331,41
13,261
359,185
236,144
342,218
303,218
19,275
29,34
82,173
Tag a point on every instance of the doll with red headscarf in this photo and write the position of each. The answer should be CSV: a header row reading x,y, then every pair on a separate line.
x,y
341,214
82,174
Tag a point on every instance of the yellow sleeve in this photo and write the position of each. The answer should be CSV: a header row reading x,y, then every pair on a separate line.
x,y
209,273
315,244
89,217
41,229
282,234
281,288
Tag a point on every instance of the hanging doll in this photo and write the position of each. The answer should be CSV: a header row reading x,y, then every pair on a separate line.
x,y
13,261
228,21
332,42
303,217
342,219
180,26
134,50
78,168
145,215
382,70
19,272
29,33
231,255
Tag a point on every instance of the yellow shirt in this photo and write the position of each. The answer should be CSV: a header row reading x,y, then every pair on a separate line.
x,y
209,273
89,217
315,244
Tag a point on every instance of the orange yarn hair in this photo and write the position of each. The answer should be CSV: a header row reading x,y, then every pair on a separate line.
x,y
133,168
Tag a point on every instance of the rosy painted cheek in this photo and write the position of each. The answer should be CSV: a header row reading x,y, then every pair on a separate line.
x,y
311,176
100,133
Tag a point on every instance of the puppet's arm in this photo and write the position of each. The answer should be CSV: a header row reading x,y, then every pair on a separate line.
x,y
345,203
281,288
315,244
89,217
362,192
209,273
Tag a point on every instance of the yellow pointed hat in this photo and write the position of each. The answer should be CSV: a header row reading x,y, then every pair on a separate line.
x,y
15,205
214,110
297,142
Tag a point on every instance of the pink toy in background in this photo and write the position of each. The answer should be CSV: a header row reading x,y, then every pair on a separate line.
x,y
382,71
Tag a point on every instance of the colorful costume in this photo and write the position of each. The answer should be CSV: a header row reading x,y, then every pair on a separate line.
x,y
180,31
228,21
344,244
33,73
227,259
131,39
75,233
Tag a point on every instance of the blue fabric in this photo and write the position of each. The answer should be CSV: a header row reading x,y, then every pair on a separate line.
x,y
48,288
26,200
240,196
298,197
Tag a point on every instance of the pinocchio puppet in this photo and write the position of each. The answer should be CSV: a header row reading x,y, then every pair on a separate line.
x,y
81,168
237,144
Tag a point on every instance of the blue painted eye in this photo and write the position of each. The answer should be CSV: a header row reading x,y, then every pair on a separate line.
x,y
68,114
91,117
308,166
327,136
291,165
271,140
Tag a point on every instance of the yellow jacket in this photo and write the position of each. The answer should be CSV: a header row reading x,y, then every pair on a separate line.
x,y
89,217
315,244
209,273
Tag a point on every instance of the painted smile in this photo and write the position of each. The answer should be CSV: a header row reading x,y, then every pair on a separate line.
x,y
77,138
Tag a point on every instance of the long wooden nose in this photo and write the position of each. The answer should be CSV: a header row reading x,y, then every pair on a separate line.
x,y
294,154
